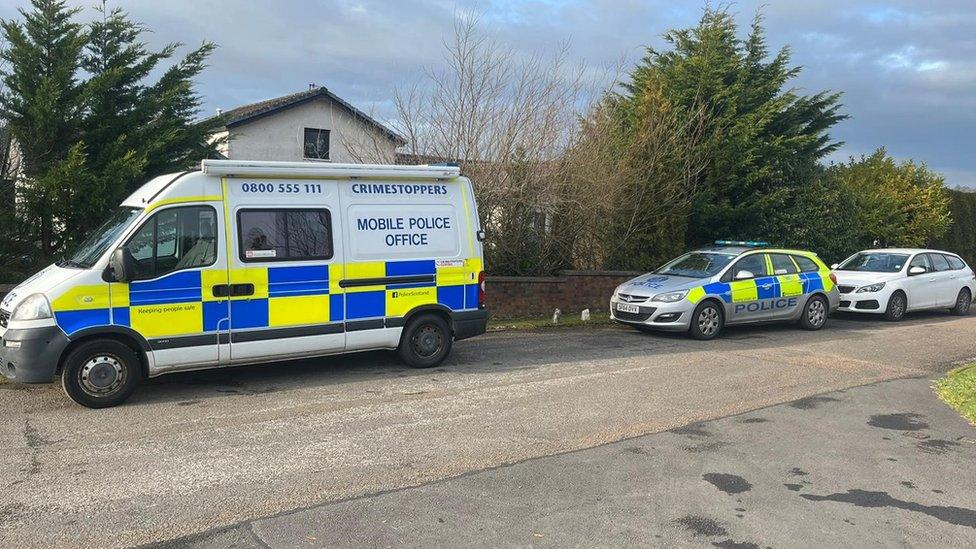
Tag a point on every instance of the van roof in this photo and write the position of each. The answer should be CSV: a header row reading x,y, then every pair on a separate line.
x,y
261,168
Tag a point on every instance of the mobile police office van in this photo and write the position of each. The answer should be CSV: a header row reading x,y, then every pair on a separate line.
x,y
249,262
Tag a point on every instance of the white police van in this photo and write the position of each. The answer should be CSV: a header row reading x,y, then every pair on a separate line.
x,y
250,262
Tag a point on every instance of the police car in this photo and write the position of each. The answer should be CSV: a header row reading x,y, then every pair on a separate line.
x,y
250,262
733,282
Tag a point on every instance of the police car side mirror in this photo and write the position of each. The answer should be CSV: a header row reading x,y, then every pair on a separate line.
x,y
120,266
743,274
912,271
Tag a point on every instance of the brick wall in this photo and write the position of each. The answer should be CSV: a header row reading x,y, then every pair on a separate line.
x,y
570,291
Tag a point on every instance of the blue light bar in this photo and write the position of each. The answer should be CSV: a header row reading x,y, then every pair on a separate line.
x,y
749,243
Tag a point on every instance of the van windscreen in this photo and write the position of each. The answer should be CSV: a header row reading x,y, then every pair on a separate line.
x,y
85,256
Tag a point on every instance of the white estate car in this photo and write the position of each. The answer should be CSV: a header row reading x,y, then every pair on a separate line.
x,y
894,281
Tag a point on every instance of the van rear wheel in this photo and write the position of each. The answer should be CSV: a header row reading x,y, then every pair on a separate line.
x,y
426,341
101,373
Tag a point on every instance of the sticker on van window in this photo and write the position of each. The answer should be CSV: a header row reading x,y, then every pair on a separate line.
x,y
258,254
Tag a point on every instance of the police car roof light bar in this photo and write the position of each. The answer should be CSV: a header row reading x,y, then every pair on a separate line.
x,y
747,243
255,168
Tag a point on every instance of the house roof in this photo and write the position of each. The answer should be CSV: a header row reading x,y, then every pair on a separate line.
x,y
255,111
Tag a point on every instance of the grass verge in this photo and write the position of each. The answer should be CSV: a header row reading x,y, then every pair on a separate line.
x,y
567,321
958,389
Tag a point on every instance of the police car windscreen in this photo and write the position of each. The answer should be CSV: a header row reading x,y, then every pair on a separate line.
x,y
697,265
875,262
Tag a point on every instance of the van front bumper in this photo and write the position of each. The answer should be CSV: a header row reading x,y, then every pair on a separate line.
x,y
31,355
470,323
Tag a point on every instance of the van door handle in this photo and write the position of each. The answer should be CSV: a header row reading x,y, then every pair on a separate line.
x,y
241,290
233,290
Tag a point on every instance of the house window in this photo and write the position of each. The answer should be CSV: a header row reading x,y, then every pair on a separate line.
x,y
316,144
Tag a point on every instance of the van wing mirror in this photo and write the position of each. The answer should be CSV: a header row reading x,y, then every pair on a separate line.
x,y
744,274
916,270
120,266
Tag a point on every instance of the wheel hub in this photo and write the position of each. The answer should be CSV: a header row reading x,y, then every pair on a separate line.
x,y
428,341
101,375
708,321
816,313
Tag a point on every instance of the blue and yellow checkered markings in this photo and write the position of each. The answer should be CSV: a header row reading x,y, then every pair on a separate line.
x,y
767,287
73,321
811,282
721,289
183,302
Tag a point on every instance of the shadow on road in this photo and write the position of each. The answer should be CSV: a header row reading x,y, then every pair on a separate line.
x,y
498,353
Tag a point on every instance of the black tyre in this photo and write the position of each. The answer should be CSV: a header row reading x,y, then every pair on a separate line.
x,y
707,321
426,341
897,305
101,373
964,302
815,312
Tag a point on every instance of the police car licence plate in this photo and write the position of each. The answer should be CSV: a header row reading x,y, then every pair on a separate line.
x,y
628,308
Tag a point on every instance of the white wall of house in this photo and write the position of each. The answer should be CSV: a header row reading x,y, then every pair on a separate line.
x,y
280,136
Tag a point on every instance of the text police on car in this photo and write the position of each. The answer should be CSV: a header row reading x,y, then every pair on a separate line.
x,y
730,283
249,262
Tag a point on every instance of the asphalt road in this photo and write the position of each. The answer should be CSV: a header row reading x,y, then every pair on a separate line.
x,y
881,465
198,451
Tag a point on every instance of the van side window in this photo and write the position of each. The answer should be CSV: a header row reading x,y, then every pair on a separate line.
x,y
173,240
806,264
284,234
955,262
782,264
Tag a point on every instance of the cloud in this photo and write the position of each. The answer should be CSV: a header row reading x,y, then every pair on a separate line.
x,y
907,68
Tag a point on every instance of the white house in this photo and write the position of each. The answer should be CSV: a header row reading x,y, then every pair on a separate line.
x,y
310,125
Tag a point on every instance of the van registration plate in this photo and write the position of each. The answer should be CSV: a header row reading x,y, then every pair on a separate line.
x,y
628,308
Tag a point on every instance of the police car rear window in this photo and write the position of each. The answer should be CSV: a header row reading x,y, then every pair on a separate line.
x,y
806,264
284,235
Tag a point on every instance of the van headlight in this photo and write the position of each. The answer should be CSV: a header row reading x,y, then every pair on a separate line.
x,y
34,307
670,297
871,288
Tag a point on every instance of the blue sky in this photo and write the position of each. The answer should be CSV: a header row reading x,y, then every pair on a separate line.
x,y
907,68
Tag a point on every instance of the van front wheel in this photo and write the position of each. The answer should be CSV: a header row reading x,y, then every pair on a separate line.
x,y
426,341
101,373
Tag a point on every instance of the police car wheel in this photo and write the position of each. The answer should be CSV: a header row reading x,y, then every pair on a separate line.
x,y
814,313
963,303
426,341
897,305
707,321
101,373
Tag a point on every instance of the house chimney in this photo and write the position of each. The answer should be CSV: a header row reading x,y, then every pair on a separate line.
x,y
312,86
220,111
